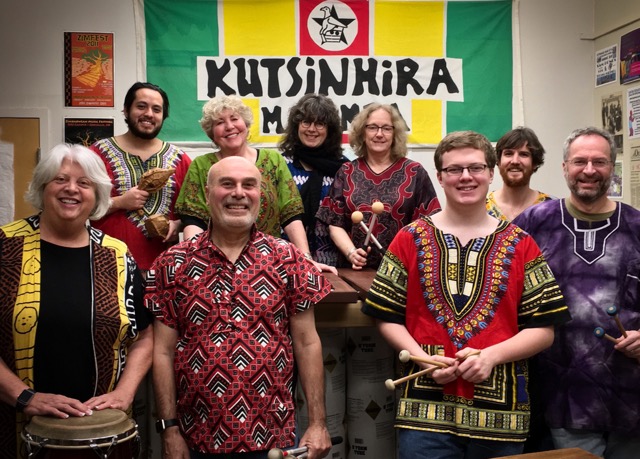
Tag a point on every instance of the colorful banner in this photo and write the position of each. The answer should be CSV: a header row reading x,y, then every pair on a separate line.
x,y
88,65
446,65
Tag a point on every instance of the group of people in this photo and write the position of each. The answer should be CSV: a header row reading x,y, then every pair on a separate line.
x,y
501,290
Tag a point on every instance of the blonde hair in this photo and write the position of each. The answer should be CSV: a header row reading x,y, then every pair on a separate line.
x,y
358,131
214,107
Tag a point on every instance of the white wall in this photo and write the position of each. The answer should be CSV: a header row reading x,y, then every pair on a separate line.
x,y
557,67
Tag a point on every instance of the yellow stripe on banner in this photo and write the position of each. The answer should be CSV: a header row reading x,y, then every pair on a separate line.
x,y
426,122
413,29
259,28
254,130
409,29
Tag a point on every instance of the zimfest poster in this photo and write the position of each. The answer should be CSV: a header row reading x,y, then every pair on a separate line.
x,y
446,65
88,59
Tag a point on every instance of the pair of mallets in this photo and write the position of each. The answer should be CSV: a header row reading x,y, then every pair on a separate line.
x,y
612,311
405,357
356,217
296,453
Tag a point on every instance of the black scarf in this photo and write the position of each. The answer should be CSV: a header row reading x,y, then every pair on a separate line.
x,y
322,166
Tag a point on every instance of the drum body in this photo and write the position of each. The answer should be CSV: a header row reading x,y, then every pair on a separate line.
x,y
106,434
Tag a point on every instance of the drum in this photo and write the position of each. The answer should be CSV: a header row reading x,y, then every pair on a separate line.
x,y
105,434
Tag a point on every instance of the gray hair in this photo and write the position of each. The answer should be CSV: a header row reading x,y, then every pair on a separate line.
x,y
214,107
91,164
589,130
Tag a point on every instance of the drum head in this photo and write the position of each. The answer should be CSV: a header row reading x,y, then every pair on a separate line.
x,y
79,430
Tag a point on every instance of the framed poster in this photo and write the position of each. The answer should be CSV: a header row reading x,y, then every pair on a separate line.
x,y
85,131
88,69
630,57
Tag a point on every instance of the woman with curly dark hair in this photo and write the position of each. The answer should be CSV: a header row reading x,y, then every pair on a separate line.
x,y
312,147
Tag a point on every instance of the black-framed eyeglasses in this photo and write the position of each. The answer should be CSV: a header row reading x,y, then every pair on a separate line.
x,y
474,169
318,124
374,128
581,163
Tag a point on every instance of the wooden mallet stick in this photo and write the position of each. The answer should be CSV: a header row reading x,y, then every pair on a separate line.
x,y
356,218
299,453
377,208
613,312
600,333
405,356
391,384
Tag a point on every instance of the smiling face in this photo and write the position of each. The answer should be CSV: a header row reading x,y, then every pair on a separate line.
x,y
145,116
312,134
70,196
229,131
233,194
378,141
587,183
516,166
467,188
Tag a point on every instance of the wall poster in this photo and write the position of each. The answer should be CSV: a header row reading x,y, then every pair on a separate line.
x,y
85,131
88,69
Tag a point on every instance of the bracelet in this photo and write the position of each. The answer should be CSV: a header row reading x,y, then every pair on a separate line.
x,y
308,256
353,249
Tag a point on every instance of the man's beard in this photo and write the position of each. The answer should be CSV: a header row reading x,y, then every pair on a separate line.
x,y
589,196
523,181
133,128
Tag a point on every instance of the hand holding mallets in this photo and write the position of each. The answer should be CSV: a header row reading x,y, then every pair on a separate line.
x,y
296,453
405,356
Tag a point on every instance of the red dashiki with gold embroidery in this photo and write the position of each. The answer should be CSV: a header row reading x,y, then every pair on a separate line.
x,y
234,358
450,297
404,188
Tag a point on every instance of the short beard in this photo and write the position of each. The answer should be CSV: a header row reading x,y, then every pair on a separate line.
x,y
140,134
590,198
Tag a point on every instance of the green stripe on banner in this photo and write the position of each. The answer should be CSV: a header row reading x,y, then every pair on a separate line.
x,y
480,33
177,32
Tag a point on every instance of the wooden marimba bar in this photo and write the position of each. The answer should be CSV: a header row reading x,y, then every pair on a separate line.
x,y
566,453
341,307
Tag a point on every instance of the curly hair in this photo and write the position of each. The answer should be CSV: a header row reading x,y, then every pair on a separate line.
x,y
465,139
214,107
312,108
358,131
519,137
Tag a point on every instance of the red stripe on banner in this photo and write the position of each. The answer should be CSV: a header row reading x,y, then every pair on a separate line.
x,y
334,28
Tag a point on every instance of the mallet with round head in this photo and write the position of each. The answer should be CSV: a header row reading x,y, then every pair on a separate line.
x,y
613,312
356,219
377,208
391,384
600,333
405,356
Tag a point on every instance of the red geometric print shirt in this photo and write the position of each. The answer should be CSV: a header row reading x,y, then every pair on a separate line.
x,y
234,357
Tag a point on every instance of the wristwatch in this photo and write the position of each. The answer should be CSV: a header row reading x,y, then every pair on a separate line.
x,y
24,398
164,424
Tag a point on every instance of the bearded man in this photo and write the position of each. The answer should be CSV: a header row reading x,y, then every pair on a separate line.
x,y
520,155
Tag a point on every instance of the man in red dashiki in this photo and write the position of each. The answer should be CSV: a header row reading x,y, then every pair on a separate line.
x,y
235,314
127,157
455,283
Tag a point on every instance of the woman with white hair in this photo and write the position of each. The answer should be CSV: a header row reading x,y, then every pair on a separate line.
x,y
71,308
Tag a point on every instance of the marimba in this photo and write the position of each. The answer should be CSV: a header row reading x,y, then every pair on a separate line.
x,y
567,453
341,307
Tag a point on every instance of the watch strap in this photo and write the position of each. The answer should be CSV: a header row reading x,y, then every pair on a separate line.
x,y
24,398
164,424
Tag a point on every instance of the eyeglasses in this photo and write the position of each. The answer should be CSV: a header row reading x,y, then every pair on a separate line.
x,y
474,169
374,128
318,124
581,163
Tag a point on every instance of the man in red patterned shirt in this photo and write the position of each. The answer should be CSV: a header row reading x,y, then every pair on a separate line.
x,y
235,314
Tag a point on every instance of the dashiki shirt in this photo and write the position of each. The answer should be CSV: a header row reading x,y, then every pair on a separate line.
x,y
494,210
322,248
280,202
125,171
234,357
404,188
111,308
585,382
450,297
